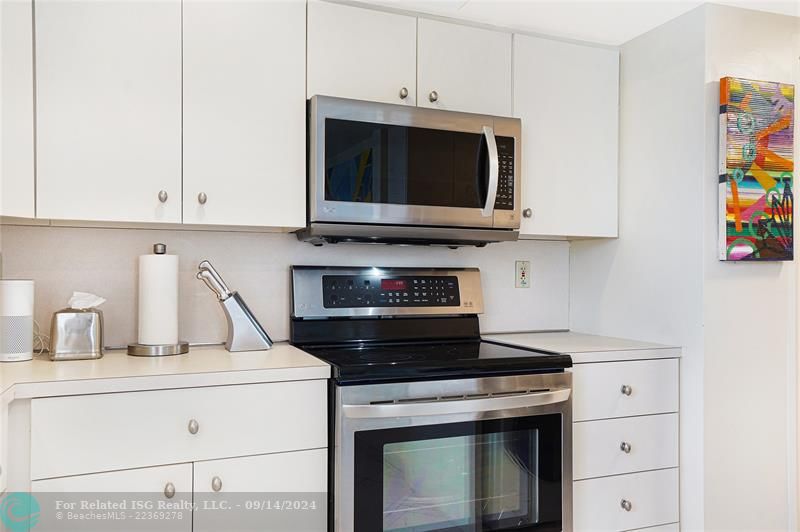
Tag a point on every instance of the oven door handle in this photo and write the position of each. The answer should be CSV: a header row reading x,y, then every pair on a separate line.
x,y
463,406
494,172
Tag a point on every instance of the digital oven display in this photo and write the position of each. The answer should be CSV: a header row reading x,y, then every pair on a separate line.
x,y
394,284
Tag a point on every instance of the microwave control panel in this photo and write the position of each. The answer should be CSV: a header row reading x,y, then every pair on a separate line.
x,y
355,291
505,185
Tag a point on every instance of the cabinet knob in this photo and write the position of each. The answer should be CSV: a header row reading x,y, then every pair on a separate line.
x,y
626,505
625,447
527,213
626,390
169,490
403,93
433,96
194,426
202,198
216,483
162,196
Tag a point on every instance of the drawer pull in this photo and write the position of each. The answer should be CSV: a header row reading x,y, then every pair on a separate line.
x,y
169,490
625,447
626,505
194,426
626,390
216,483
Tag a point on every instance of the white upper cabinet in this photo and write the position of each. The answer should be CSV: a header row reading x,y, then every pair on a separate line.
x,y
567,96
462,68
244,113
361,54
108,77
16,108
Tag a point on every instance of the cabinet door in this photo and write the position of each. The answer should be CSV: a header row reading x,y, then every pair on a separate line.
x,y
109,110
166,490
16,135
361,54
567,97
468,69
297,479
244,113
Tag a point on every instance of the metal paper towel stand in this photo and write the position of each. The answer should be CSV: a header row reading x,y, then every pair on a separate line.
x,y
158,350
244,331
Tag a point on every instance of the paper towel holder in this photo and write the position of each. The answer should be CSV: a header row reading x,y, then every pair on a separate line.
x,y
158,350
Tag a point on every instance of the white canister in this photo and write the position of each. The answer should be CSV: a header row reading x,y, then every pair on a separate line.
x,y
16,320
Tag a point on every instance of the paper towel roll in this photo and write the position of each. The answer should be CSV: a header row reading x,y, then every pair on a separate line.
x,y
158,299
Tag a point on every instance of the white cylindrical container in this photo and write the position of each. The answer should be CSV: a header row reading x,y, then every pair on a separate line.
x,y
158,298
16,320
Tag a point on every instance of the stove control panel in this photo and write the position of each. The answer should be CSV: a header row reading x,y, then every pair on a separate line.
x,y
320,292
357,291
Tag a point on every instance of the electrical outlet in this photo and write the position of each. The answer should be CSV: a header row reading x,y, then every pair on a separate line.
x,y
523,277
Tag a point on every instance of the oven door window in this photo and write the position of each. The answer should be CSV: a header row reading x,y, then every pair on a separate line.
x,y
502,474
374,163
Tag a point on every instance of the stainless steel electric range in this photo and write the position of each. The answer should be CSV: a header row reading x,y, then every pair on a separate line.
x,y
433,428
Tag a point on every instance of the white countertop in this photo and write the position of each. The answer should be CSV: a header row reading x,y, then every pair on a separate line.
x,y
116,371
585,348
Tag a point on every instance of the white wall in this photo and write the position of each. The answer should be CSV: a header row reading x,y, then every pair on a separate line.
x,y
748,312
104,261
661,281
648,284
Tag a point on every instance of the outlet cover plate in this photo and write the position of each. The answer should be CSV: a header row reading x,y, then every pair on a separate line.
x,y
522,279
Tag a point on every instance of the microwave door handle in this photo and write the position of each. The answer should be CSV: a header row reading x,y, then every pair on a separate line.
x,y
465,406
494,172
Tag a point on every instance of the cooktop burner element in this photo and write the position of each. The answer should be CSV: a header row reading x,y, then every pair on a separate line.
x,y
402,324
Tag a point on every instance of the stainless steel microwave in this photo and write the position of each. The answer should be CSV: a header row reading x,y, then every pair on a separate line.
x,y
401,174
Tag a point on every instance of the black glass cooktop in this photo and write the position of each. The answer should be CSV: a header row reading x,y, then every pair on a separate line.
x,y
376,362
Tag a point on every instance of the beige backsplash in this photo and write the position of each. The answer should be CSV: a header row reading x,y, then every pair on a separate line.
x,y
104,261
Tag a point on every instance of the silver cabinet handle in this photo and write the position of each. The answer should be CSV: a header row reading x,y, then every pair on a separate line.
x,y
162,196
169,490
527,213
403,93
194,426
202,198
433,96
626,505
494,172
626,390
625,447
216,483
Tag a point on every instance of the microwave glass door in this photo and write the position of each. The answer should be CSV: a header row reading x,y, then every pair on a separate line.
x,y
410,173
501,474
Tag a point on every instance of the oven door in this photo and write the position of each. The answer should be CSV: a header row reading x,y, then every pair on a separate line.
x,y
372,163
442,460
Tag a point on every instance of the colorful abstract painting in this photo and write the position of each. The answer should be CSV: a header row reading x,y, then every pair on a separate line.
x,y
756,166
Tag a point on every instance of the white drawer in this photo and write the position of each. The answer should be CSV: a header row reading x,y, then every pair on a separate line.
x,y
597,389
652,443
653,497
90,433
